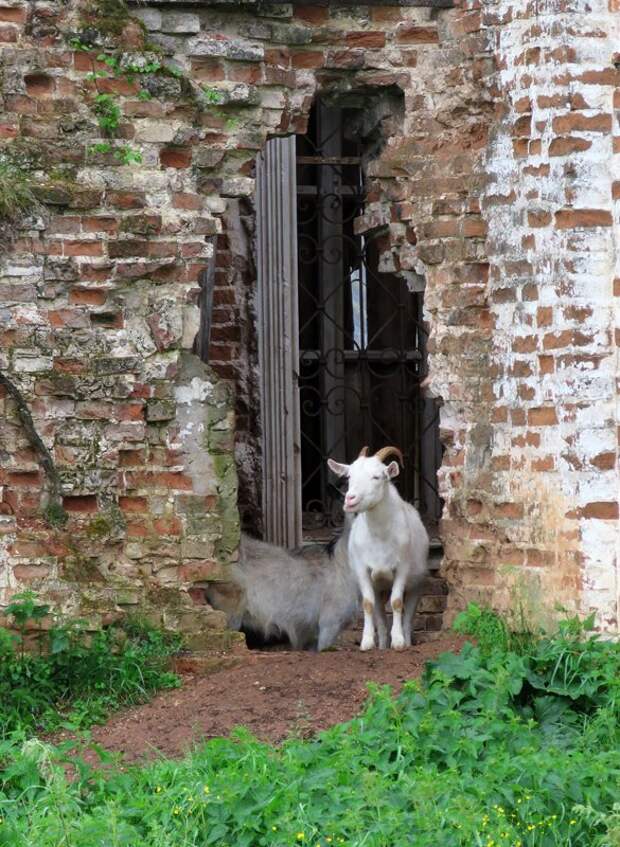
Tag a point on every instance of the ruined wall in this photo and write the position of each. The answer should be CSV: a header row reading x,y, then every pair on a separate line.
x,y
139,143
537,470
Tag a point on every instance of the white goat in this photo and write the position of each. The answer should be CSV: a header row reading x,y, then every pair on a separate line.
x,y
308,598
388,546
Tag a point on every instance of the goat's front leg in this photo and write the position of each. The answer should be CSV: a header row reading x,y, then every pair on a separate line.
x,y
396,602
368,604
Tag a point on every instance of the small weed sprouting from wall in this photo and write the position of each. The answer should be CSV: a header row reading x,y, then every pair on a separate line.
x,y
16,196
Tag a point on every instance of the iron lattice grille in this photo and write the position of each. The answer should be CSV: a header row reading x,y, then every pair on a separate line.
x,y
361,334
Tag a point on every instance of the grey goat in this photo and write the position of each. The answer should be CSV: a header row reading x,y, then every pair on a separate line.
x,y
310,598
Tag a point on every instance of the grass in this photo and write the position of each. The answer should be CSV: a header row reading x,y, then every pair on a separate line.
x,y
76,678
16,197
495,747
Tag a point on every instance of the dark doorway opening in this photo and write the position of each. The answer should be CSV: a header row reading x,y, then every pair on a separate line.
x,y
362,338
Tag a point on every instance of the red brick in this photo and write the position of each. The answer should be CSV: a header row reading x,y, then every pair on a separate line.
x,y
524,104
79,504
136,529
172,480
606,76
604,461
525,344
117,85
208,70
543,464
126,199
474,228
27,574
369,40
385,14
311,14
586,218
544,317
176,157
199,571
133,504
605,511
8,34
568,145
24,478
168,526
39,85
13,15
542,416
538,218
514,511
578,122
191,202
82,248
100,223
307,58
131,458
410,33
251,73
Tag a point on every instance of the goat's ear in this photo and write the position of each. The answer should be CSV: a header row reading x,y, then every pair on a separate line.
x,y
393,470
337,468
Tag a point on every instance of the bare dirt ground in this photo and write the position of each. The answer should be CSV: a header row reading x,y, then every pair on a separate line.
x,y
273,693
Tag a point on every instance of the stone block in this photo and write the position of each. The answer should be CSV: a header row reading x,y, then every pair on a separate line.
x,y
180,23
160,410
228,48
151,18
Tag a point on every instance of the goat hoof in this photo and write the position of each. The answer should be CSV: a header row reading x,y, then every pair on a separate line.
x,y
398,644
367,645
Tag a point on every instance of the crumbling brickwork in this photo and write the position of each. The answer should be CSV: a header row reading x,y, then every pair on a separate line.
x,y
532,478
496,185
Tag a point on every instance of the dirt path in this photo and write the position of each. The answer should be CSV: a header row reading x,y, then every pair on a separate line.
x,y
272,693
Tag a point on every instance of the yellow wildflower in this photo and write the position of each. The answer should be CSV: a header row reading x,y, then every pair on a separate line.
x,y
158,789
176,811
206,789
300,836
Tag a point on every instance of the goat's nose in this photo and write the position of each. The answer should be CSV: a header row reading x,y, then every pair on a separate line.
x,y
350,499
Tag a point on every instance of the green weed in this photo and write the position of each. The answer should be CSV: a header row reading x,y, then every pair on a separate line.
x,y
16,196
77,678
489,749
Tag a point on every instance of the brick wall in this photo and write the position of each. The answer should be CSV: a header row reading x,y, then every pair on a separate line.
x,y
537,468
479,189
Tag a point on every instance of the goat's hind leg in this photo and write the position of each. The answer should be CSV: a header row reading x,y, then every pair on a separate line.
x,y
411,603
381,621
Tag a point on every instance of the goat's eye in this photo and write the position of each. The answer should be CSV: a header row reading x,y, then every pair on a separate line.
x,y
376,477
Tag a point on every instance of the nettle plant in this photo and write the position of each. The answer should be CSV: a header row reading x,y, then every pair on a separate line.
x,y
74,677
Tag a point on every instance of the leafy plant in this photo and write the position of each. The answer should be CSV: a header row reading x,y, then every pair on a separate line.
x,y
108,113
16,195
78,677
470,756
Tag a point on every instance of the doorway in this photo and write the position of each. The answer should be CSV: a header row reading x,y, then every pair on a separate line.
x,y
343,342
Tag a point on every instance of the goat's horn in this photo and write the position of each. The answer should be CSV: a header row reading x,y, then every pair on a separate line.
x,y
363,452
384,452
